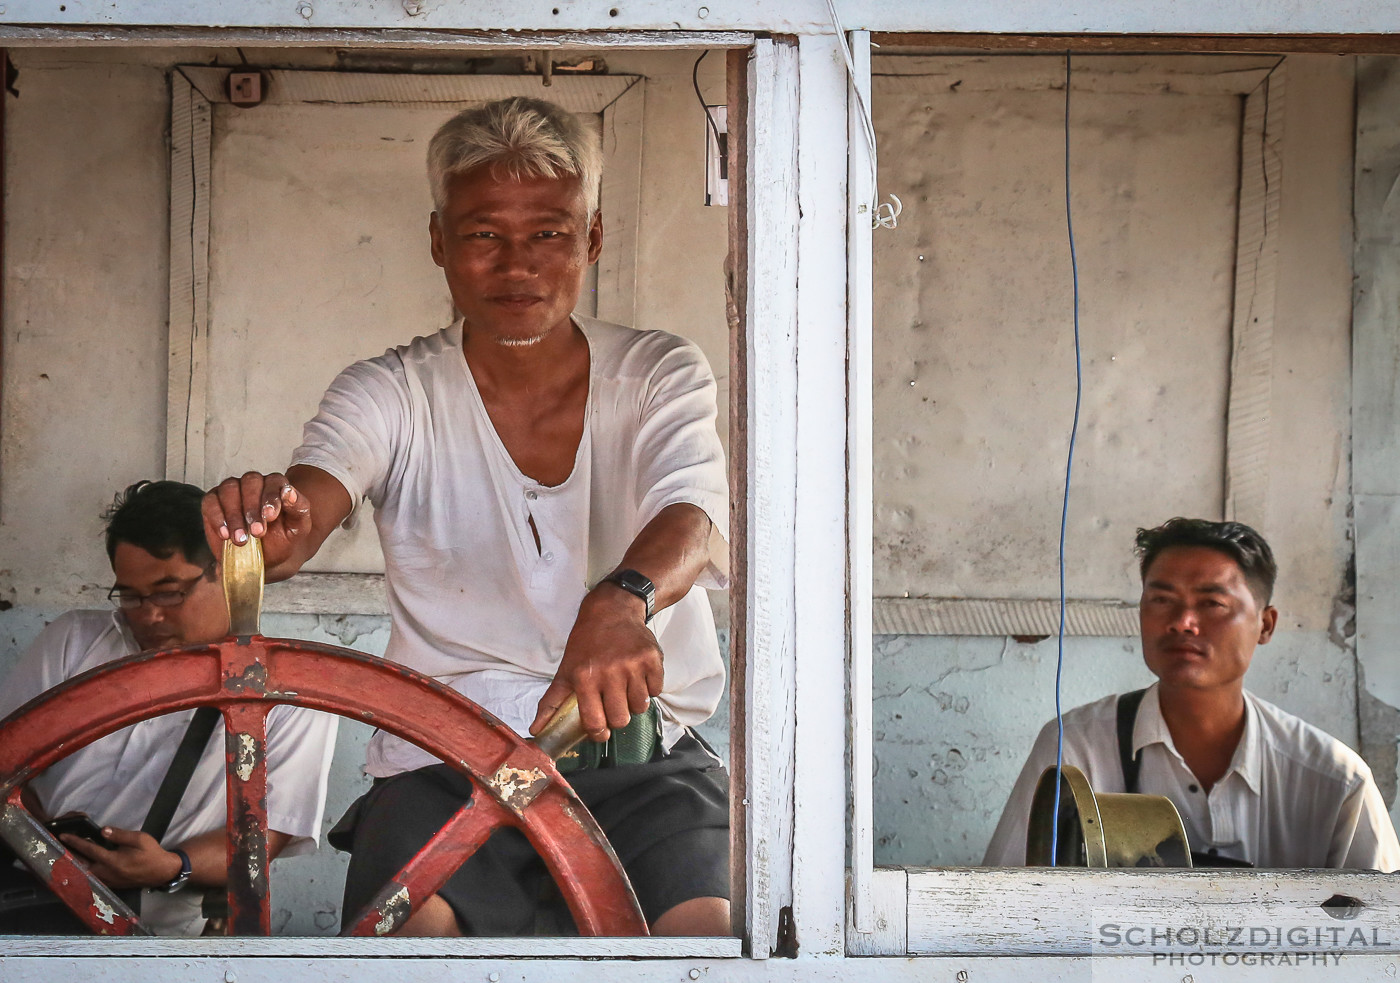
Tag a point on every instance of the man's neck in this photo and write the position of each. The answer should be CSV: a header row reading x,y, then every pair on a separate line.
x,y
518,369
1206,726
535,396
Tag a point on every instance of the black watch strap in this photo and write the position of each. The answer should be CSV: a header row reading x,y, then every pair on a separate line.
x,y
635,583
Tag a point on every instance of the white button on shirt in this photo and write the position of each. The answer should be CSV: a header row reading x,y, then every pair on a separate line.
x,y
1293,796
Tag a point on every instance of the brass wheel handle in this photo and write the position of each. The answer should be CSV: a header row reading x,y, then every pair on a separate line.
x,y
564,730
243,585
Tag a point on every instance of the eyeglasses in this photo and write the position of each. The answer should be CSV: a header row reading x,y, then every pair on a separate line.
x,y
129,600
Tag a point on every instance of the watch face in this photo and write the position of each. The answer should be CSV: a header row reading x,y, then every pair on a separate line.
x,y
635,583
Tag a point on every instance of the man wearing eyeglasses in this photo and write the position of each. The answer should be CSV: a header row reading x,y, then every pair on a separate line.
x,y
167,593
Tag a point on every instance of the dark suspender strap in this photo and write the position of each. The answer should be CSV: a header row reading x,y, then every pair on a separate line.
x,y
1128,704
177,776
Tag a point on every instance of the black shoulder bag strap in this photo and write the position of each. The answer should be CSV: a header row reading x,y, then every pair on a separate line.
x,y
177,776
1128,704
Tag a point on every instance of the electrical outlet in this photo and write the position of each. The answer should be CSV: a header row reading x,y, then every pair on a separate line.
x,y
245,88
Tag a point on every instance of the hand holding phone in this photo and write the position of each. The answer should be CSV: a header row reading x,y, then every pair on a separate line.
x,y
80,824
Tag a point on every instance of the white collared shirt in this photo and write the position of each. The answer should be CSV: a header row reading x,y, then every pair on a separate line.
x,y
114,779
1294,796
475,602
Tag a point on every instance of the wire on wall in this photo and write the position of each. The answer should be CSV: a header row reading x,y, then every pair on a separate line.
x,y
721,139
886,215
1069,468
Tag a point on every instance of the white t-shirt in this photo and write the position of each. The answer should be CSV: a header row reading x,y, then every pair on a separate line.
x,y
1294,795
114,779
474,602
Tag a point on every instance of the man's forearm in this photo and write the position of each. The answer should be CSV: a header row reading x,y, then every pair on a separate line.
x,y
208,855
612,662
672,551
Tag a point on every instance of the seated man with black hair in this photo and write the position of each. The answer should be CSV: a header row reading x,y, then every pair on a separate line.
x,y
1255,786
167,593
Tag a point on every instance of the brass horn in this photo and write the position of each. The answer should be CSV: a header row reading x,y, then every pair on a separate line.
x,y
1114,829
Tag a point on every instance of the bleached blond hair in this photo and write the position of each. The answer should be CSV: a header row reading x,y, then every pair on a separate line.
x,y
517,138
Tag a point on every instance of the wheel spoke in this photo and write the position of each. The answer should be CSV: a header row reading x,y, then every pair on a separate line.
x,y
245,737
430,869
50,861
601,902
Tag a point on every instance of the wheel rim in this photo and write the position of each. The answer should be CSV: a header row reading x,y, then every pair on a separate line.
x,y
245,677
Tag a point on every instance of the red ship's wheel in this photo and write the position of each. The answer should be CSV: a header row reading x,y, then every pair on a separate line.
x,y
245,676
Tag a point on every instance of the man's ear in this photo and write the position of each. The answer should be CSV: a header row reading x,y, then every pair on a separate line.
x,y
435,239
1269,620
595,237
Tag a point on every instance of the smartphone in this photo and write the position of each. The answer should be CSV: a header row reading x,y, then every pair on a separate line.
x,y
80,824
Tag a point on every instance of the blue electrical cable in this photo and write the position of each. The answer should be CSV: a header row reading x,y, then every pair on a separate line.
x,y
1064,508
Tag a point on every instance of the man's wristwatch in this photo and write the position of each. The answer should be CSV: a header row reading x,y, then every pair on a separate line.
x,y
178,881
635,583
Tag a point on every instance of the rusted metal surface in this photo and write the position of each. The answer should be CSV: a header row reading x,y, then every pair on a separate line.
x,y
245,748
244,677
92,901
517,787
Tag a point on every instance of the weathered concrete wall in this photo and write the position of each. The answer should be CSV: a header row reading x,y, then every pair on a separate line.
x,y
84,321
974,344
1376,399
956,716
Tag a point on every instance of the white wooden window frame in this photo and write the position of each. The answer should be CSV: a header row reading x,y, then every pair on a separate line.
x,y
1261,83
772,89
973,912
338,22
795,597
811,871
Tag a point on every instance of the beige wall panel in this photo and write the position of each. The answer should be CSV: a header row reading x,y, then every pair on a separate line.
x,y
1308,516
681,242
975,361
85,310
318,258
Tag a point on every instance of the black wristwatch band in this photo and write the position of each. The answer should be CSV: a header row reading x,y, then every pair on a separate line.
x,y
178,881
635,583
